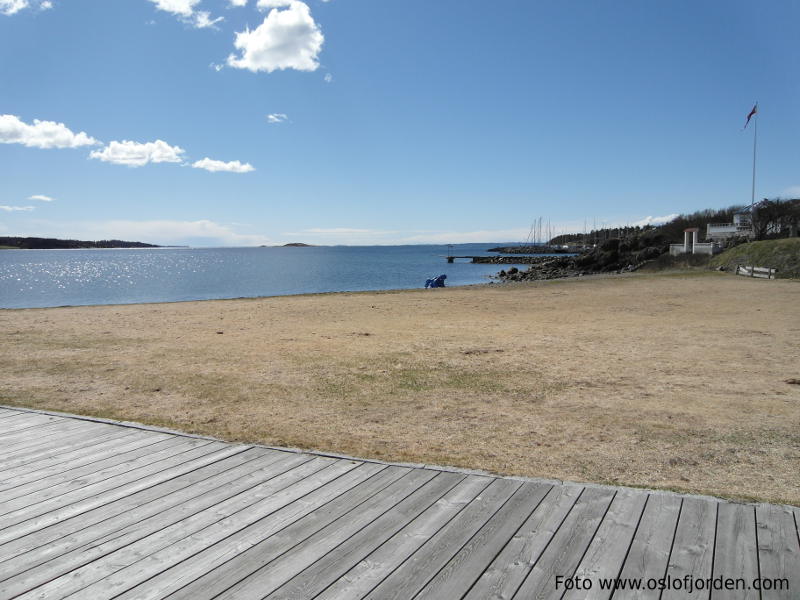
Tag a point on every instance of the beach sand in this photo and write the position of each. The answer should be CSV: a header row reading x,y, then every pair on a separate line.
x,y
665,381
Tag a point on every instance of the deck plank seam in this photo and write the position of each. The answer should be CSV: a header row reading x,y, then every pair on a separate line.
x,y
83,487
154,499
630,544
590,540
672,544
106,492
385,512
88,474
461,547
508,541
714,544
49,454
366,499
138,540
758,557
547,545
116,533
432,535
347,512
234,532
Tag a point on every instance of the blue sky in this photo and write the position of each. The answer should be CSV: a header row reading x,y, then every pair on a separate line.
x,y
241,122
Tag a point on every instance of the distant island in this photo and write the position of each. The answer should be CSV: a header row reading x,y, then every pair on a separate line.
x,y
36,243
298,245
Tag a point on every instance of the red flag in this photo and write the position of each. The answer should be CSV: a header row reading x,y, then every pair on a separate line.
x,y
750,115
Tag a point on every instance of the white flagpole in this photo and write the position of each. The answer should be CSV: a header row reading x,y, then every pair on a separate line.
x,y
755,140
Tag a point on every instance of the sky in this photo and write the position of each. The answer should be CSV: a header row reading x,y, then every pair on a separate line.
x,y
249,122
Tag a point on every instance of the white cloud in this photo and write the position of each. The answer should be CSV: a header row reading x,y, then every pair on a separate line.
x,y
41,197
216,166
287,39
135,154
267,4
11,7
202,19
237,3
346,231
165,232
16,208
654,220
183,8
42,134
276,118
791,192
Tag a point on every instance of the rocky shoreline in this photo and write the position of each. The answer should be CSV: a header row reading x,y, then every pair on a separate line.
x,y
613,256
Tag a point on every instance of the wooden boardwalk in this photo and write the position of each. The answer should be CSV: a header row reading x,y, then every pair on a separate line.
x,y
98,510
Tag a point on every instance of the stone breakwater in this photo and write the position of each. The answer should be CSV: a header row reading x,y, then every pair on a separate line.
x,y
602,260
508,260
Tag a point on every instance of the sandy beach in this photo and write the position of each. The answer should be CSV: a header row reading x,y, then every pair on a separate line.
x,y
665,381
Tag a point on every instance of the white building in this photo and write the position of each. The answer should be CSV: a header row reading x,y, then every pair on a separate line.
x,y
691,245
742,226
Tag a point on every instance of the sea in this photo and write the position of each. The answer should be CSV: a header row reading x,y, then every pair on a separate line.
x,y
45,278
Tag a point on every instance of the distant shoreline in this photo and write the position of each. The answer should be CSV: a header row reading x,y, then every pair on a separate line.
x,y
37,243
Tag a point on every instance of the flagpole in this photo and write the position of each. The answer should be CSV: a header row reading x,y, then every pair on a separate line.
x,y
755,140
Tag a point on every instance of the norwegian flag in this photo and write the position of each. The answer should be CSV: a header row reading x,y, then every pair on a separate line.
x,y
750,115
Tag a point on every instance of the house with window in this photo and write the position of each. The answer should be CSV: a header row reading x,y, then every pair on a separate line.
x,y
742,226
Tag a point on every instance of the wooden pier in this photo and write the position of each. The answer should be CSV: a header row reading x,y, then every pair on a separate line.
x,y
93,509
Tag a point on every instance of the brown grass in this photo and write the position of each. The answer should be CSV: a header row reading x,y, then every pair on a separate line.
x,y
661,381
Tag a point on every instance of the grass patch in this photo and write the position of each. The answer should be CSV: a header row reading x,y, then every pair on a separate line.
x,y
783,254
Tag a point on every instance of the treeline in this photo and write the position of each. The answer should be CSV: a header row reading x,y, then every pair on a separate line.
x,y
36,243
597,236
673,230
771,218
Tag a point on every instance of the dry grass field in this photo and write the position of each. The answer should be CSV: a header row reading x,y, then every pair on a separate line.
x,y
666,381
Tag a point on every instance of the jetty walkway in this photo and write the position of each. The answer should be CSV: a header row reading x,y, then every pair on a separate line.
x,y
93,509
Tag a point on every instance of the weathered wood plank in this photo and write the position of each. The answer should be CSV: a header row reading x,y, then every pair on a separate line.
x,y
649,553
565,551
693,547
95,512
86,499
607,552
39,434
327,568
33,504
235,473
112,461
7,412
118,570
237,567
268,578
61,442
53,560
77,464
736,550
778,551
410,577
508,570
360,579
185,572
458,576
50,456
25,421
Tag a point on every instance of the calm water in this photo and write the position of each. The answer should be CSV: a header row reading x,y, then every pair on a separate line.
x,y
38,278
